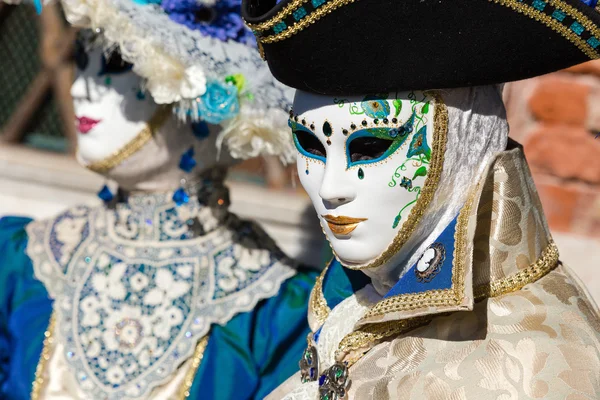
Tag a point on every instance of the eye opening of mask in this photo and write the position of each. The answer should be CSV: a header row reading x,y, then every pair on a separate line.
x,y
309,145
113,63
366,148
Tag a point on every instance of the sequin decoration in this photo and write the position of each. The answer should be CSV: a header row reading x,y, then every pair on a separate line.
x,y
406,183
180,196
187,162
105,194
200,130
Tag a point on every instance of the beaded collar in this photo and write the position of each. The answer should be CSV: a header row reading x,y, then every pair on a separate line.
x,y
139,284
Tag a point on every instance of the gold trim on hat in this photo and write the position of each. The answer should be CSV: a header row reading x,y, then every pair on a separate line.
x,y
515,5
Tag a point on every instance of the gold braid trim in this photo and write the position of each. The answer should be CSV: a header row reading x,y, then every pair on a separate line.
x,y
440,131
184,391
515,5
547,262
287,10
555,25
158,119
304,22
577,16
369,335
318,304
38,382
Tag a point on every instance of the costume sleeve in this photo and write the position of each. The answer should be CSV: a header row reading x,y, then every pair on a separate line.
x,y
256,350
280,332
24,312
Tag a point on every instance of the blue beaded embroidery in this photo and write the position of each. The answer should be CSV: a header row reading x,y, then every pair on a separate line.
x,y
559,15
279,27
299,13
539,4
577,28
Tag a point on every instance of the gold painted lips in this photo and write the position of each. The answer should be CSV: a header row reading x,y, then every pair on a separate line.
x,y
342,225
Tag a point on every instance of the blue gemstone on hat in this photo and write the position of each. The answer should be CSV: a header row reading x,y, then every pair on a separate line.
x,y
279,27
594,42
187,162
317,3
105,194
539,4
312,372
559,15
299,13
577,28
200,130
180,197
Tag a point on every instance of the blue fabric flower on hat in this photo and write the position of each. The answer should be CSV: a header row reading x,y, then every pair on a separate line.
x,y
221,20
220,102
374,107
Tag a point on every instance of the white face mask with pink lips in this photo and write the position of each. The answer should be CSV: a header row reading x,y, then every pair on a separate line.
x,y
364,161
110,108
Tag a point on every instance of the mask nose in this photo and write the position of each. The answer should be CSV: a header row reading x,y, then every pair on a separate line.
x,y
335,189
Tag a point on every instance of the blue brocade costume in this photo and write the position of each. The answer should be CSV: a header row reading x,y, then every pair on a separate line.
x,y
245,358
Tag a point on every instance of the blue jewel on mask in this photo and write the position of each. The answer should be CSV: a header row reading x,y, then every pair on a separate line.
x,y
180,196
200,130
406,183
105,194
187,162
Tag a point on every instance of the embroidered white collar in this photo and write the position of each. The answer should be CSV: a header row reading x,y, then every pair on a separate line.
x,y
136,287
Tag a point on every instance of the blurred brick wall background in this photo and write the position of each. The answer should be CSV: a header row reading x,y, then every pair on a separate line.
x,y
557,119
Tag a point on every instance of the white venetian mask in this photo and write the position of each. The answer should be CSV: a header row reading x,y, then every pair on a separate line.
x,y
370,165
110,108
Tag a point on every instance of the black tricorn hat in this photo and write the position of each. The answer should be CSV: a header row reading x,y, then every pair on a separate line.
x,y
344,47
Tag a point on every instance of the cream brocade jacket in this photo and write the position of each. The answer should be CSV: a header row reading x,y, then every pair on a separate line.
x,y
515,323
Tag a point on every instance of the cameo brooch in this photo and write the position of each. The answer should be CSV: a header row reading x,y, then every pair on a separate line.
x,y
430,263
